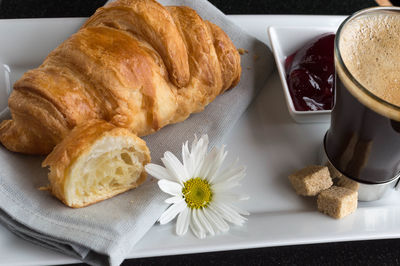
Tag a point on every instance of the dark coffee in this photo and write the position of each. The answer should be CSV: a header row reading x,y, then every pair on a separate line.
x,y
363,141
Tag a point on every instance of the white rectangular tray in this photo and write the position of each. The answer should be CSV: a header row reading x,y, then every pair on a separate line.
x,y
266,139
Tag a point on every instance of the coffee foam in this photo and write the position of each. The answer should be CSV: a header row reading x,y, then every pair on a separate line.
x,y
370,49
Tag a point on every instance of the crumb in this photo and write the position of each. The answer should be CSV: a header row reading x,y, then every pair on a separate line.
x,y
44,188
255,57
242,51
248,68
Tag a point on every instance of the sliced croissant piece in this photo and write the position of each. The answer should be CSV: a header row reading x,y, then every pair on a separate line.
x,y
96,161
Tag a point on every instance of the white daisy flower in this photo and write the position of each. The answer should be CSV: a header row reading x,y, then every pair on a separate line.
x,y
200,191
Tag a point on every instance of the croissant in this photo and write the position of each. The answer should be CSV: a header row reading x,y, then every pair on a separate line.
x,y
134,63
96,161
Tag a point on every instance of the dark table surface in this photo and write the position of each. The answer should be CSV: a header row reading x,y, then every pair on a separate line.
x,y
373,252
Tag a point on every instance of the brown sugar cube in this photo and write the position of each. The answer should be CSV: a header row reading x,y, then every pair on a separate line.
x,y
311,180
337,202
346,182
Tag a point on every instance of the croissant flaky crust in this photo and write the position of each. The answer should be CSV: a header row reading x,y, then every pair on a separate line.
x,y
96,161
134,63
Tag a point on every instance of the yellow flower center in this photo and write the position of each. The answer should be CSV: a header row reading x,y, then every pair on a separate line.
x,y
197,193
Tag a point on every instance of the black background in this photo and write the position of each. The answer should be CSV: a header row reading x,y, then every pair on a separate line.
x,y
373,252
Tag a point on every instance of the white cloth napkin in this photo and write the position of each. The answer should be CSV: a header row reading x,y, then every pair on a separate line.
x,y
104,233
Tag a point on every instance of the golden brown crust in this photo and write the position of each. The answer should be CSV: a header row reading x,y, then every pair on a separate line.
x,y
205,83
150,20
134,63
37,126
228,56
78,145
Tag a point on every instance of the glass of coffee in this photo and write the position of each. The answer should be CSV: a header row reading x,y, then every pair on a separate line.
x,y
363,141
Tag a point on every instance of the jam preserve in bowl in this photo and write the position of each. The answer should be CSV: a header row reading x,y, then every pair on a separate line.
x,y
304,58
310,74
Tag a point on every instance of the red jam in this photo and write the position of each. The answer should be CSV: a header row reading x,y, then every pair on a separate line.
x,y
310,74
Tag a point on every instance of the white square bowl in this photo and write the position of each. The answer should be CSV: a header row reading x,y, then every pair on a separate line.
x,y
285,41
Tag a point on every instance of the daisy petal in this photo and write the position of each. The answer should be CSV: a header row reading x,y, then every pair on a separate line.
x,y
238,210
196,226
182,223
174,166
170,187
199,152
214,171
194,143
210,219
238,177
208,163
175,199
157,171
218,222
195,231
234,214
187,161
229,197
196,220
171,212
212,163
204,222
194,149
228,214
224,186
200,145
233,174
